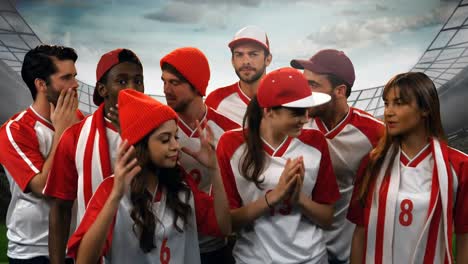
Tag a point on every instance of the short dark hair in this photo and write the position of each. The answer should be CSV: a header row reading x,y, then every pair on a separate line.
x,y
336,81
168,67
38,63
125,55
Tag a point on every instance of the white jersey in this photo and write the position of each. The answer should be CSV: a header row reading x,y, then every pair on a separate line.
x,y
230,101
284,235
349,142
25,141
200,174
172,246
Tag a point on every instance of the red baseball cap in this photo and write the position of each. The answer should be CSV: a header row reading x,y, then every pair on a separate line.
x,y
329,61
288,87
250,34
107,61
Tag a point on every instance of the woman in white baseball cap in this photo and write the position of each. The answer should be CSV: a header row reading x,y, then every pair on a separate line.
x,y
278,178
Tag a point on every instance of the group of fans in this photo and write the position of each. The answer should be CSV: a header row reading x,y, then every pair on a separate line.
x,y
275,168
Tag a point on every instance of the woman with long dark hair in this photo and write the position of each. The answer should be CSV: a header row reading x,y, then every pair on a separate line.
x,y
278,177
412,191
150,211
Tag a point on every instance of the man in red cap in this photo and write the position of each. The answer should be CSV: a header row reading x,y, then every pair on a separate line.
x,y
350,134
28,142
251,55
86,152
185,73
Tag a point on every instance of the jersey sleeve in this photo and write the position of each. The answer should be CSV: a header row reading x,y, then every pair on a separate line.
x,y
461,209
356,210
326,188
21,155
204,210
62,182
223,154
95,206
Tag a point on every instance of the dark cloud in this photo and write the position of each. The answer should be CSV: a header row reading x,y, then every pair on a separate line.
x,y
176,13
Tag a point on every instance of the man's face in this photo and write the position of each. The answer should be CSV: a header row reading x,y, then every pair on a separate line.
x,y
122,76
320,83
63,79
178,93
249,61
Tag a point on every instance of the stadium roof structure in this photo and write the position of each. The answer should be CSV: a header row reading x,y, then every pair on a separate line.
x,y
445,61
17,38
445,57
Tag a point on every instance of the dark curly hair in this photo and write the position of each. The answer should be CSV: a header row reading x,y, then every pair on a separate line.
x,y
172,181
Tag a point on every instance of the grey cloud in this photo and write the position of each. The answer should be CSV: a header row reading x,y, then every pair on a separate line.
x,y
250,3
176,13
354,32
381,7
197,15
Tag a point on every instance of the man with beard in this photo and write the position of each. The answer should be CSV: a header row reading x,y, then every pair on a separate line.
x,y
28,142
87,151
185,74
350,134
250,56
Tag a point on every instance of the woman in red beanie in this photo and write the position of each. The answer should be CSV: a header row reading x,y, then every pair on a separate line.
x,y
278,177
150,211
411,194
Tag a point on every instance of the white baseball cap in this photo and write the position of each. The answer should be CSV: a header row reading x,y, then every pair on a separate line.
x,y
250,33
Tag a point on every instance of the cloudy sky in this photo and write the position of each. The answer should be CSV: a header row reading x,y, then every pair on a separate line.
x,y
382,38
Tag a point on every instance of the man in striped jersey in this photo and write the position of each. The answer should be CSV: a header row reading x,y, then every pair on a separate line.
x,y
350,134
28,142
87,151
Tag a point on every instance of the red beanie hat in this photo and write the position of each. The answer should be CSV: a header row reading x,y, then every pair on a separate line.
x,y
192,64
140,114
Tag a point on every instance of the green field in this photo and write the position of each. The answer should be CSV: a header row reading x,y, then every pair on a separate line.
x,y
3,244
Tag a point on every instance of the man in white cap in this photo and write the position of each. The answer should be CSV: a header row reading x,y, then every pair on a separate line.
x,y
251,55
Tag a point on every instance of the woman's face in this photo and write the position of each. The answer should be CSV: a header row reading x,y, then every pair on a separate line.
x,y
163,145
289,121
403,118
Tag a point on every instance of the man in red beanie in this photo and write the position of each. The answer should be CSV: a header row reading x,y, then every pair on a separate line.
x,y
86,152
350,134
185,73
251,55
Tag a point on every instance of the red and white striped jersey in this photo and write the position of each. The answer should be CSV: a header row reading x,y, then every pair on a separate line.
x,y
284,235
25,141
122,245
230,101
83,161
189,138
412,204
349,142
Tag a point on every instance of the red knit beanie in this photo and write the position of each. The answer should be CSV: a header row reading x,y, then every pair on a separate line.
x,y
140,114
192,64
